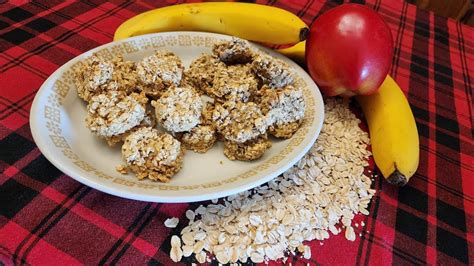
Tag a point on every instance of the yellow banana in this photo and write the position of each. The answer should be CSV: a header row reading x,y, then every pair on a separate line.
x,y
295,52
253,22
393,132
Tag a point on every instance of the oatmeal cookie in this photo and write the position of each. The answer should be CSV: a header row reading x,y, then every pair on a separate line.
x,y
284,109
238,121
273,72
233,83
159,71
201,72
247,151
206,116
236,51
148,121
96,76
124,76
178,109
200,138
152,155
111,114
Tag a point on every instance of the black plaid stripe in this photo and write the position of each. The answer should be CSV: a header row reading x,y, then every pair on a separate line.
x,y
17,36
136,233
16,107
398,40
17,143
14,197
412,226
42,170
17,14
414,198
40,25
452,245
446,241
374,208
465,71
61,16
140,221
446,189
50,220
397,252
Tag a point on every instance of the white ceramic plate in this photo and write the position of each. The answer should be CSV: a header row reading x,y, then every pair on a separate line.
x,y
57,123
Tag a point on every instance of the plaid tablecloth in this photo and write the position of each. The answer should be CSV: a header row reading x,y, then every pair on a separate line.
x,y
48,218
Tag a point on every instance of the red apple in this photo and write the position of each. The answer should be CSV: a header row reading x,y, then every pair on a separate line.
x,y
349,50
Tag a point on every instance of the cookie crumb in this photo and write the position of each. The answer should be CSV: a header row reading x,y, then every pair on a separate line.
x,y
122,169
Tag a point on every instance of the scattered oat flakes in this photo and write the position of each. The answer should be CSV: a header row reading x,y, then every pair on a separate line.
x,y
176,253
307,252
350,234
171,222
190,215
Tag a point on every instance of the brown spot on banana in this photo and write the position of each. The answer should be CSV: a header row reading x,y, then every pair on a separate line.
x,y
397,178
304,32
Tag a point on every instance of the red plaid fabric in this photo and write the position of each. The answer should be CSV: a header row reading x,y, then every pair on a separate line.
x,y
47,217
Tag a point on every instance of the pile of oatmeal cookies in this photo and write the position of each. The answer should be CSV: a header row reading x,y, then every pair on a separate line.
x,y
158,109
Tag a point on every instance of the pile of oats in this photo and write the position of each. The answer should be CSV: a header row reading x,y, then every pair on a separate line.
x,y
317,197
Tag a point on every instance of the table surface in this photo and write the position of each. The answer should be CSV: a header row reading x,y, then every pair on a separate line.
x,y
47,216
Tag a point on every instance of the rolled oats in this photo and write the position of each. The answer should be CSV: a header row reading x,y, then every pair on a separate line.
x,y
171,222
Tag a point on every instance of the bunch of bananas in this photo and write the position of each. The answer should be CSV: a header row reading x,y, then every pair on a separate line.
x,y
394,138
